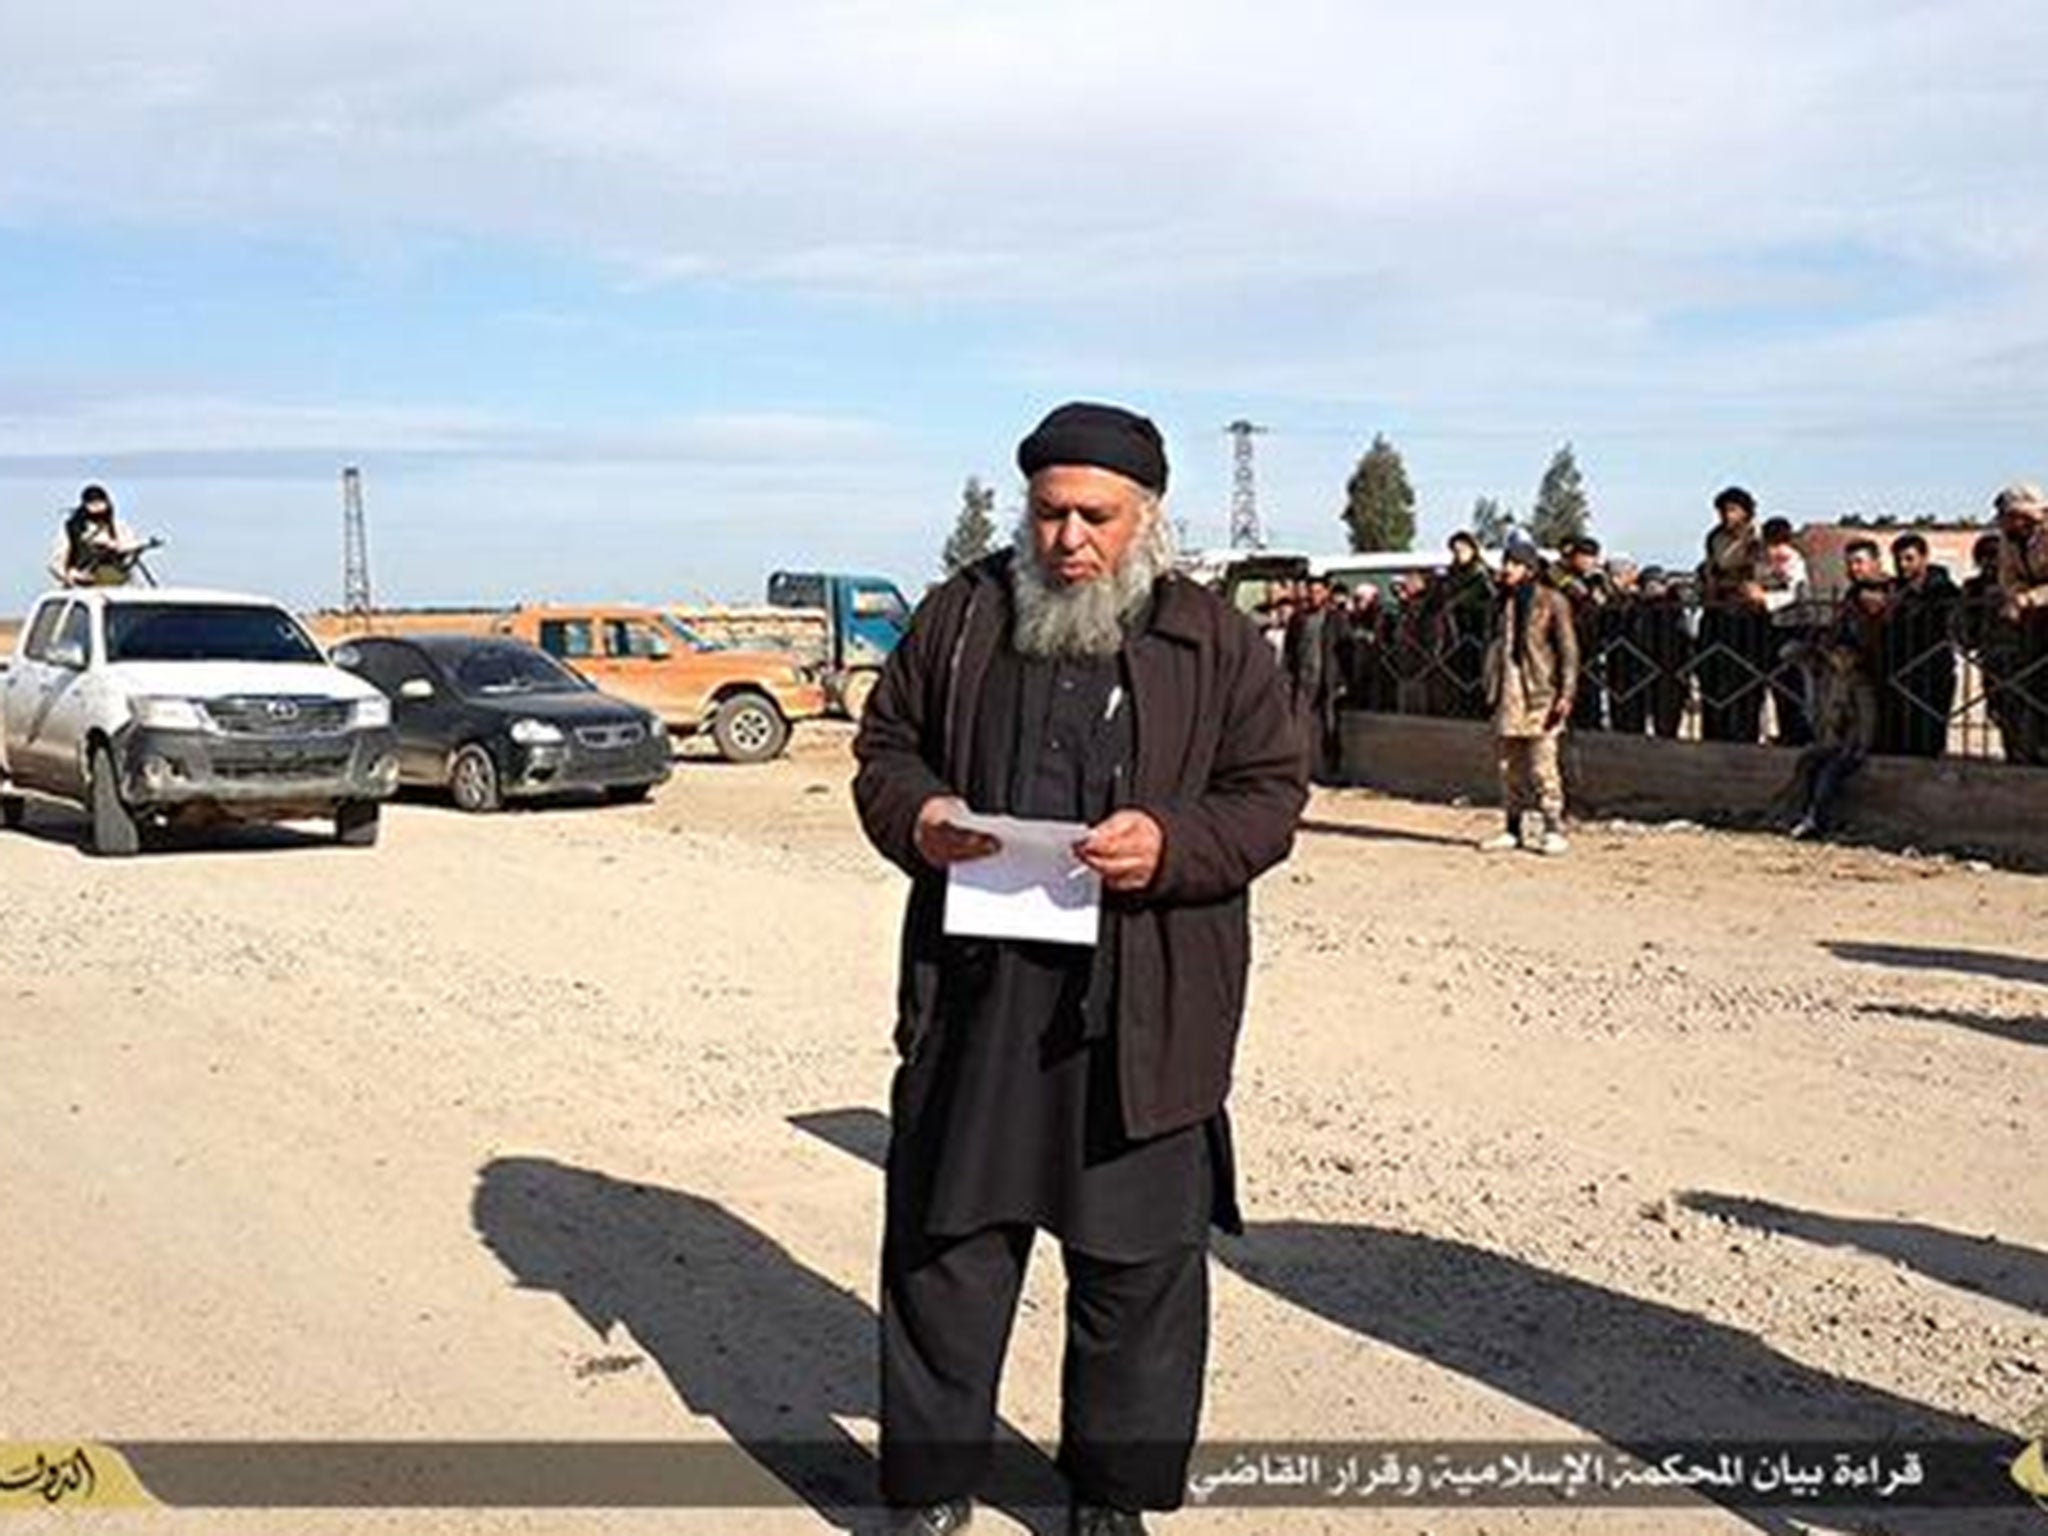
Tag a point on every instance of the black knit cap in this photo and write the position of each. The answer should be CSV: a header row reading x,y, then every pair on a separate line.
x,y
1736,496
1102,436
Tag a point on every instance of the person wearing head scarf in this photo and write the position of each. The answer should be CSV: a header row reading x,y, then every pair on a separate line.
x,y
1532,678
1735,627
1582,579
2023,589
1467,614
1993,641
1073,1089
93,548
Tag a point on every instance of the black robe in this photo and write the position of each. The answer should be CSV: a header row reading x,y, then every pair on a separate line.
x,y
1010,1114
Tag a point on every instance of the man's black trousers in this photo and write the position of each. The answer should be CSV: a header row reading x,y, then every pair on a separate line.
x,y
1130,1382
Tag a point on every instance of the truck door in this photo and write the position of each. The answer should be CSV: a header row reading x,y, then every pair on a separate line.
x,y
642,664
871,620
424,718
66,709
24,696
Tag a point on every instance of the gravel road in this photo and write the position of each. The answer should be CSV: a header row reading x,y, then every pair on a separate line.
x,y
559,1125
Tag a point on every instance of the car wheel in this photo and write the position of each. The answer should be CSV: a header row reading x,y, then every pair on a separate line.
x,y
13,810
855,692
115,832
628,794
473,780
356,823
748,728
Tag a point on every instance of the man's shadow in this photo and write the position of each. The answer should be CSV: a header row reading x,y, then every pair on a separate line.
x,y
1920,957
2032,1031
745,1333
1631,1371
2005,1271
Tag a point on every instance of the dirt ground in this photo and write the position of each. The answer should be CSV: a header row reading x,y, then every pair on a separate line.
x,y
558,1125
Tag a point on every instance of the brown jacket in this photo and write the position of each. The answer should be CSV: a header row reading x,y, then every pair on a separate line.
x,y
1220,763
1521,696
2023,567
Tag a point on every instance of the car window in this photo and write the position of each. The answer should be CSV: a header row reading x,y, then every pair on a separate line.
x,y
167,631
42,630
567,637
691,640
506,667
633,637
76,630
792,591
374,662
884,603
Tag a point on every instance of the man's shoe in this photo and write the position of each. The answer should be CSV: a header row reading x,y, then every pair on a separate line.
x,y
1501,842
1553,845
1102,1520
935,1519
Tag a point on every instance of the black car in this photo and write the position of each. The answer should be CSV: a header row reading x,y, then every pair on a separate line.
x,y
491,719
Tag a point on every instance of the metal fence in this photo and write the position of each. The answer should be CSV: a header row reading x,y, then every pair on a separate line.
x,y
1941,678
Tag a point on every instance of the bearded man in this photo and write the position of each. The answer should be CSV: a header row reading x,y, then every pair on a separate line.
x,y
1071,1089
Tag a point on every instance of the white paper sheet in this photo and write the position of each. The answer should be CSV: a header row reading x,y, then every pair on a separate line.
x,y
1034,888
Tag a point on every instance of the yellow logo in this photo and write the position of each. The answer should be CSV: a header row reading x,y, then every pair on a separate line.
x,y
69,1474
2030,1467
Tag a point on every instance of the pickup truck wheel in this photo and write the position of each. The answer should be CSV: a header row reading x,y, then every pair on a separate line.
x,y
13,809
473,781
748,728
115,833
855,693
356,822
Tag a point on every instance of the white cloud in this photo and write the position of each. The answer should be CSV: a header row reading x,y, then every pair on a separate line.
x,y
1738,219
787,139
165,428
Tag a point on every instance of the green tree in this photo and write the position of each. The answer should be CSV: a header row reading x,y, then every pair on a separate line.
x,y
974,531
1379,504
1491,522
1561,512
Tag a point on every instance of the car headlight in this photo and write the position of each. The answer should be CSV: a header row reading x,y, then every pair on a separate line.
x,y
168,714
373,714
535,733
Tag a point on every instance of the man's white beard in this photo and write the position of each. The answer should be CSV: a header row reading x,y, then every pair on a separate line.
x,y
1085,618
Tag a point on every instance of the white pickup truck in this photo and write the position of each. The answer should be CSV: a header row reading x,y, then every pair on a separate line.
x,y
146,704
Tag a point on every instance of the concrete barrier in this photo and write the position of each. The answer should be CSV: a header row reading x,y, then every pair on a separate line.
x,y
1956,805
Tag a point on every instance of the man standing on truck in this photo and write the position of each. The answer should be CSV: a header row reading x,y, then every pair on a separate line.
x,y
1073,1089
93,548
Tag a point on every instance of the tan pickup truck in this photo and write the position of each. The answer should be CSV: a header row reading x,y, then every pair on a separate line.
x,y
746,700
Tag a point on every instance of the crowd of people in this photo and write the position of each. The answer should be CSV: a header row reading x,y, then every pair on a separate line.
x,y
1753,645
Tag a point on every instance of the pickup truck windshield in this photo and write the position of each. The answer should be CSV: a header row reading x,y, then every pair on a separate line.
x,y
495,670
205,632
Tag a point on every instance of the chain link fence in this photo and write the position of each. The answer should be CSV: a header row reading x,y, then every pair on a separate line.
x,y
1937,678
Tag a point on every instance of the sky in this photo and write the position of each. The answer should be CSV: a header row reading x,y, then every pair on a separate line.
x,y
645,299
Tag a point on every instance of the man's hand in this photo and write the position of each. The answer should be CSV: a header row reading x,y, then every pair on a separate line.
x,y
1560,712
1124,850
941,843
